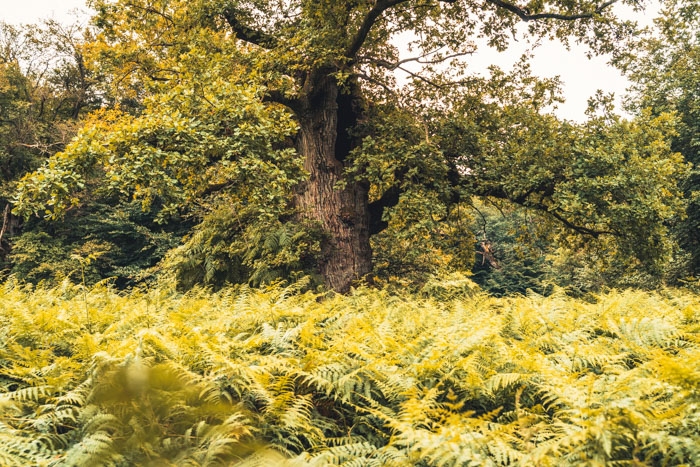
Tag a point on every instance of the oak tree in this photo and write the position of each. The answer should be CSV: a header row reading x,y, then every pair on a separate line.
x,y
238,96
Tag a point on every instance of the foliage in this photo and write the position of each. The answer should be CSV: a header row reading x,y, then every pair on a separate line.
x,y
271,376
230,247
96,242
169,155
214,107
210,149
607,177
664,71
423,238
45,90
528,251
604,191
512,247
582,205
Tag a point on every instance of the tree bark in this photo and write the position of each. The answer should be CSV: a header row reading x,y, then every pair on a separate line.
x,y
342,209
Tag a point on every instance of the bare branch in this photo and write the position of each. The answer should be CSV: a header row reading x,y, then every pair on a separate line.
x,y
525,15
418,59
376,82
423,78
150,9
483,219
43,147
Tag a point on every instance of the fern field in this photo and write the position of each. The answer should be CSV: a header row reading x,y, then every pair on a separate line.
x,y
276,377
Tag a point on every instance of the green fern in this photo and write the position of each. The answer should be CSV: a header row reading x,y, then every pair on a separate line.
x,y
279,376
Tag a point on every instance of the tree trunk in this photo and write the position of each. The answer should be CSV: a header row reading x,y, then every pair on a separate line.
x,y
341,210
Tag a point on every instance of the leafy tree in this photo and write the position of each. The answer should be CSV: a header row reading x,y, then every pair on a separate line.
x,y
665,71
44,90
233,99
601,190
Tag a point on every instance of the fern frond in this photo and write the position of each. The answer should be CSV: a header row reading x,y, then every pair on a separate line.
x,y
29,394
344,454
276,375
21,450
504,381
94,449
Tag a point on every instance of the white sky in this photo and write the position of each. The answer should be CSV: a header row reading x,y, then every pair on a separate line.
x,y
30,11
581,77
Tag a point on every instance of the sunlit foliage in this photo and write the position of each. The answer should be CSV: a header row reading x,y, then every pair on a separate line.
x,y
275,377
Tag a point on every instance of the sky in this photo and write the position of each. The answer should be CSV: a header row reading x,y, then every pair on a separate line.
x,y
581,76
29,11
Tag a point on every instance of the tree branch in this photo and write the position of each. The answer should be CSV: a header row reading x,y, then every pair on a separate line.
x,y
389,199
5,217
576,228
422,78
525,201
150,9
376,82
215,188
379,7
525,15
245,33
418,59
273,95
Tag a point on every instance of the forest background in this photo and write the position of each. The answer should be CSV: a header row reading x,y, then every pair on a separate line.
x,y
579,205
527,222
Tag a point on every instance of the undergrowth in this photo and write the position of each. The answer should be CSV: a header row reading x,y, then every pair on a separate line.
x,y
278,377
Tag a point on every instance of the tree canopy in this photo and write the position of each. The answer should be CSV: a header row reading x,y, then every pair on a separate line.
x,y
665,72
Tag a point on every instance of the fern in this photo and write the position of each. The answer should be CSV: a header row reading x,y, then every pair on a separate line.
x,y
279,376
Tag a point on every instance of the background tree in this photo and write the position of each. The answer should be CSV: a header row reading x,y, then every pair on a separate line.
x,y
601,190
44,90
318,77
665,70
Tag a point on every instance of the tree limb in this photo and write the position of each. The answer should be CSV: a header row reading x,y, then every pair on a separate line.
x,y
273,95
245,33
150,9
525,15
576,228
389,199
379,7
418,59
417,76
376,82
526,201
5,217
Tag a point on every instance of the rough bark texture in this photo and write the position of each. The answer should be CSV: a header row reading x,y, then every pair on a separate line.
x,y
343,212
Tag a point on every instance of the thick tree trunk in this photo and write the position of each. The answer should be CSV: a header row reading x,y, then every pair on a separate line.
x,y
342,211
